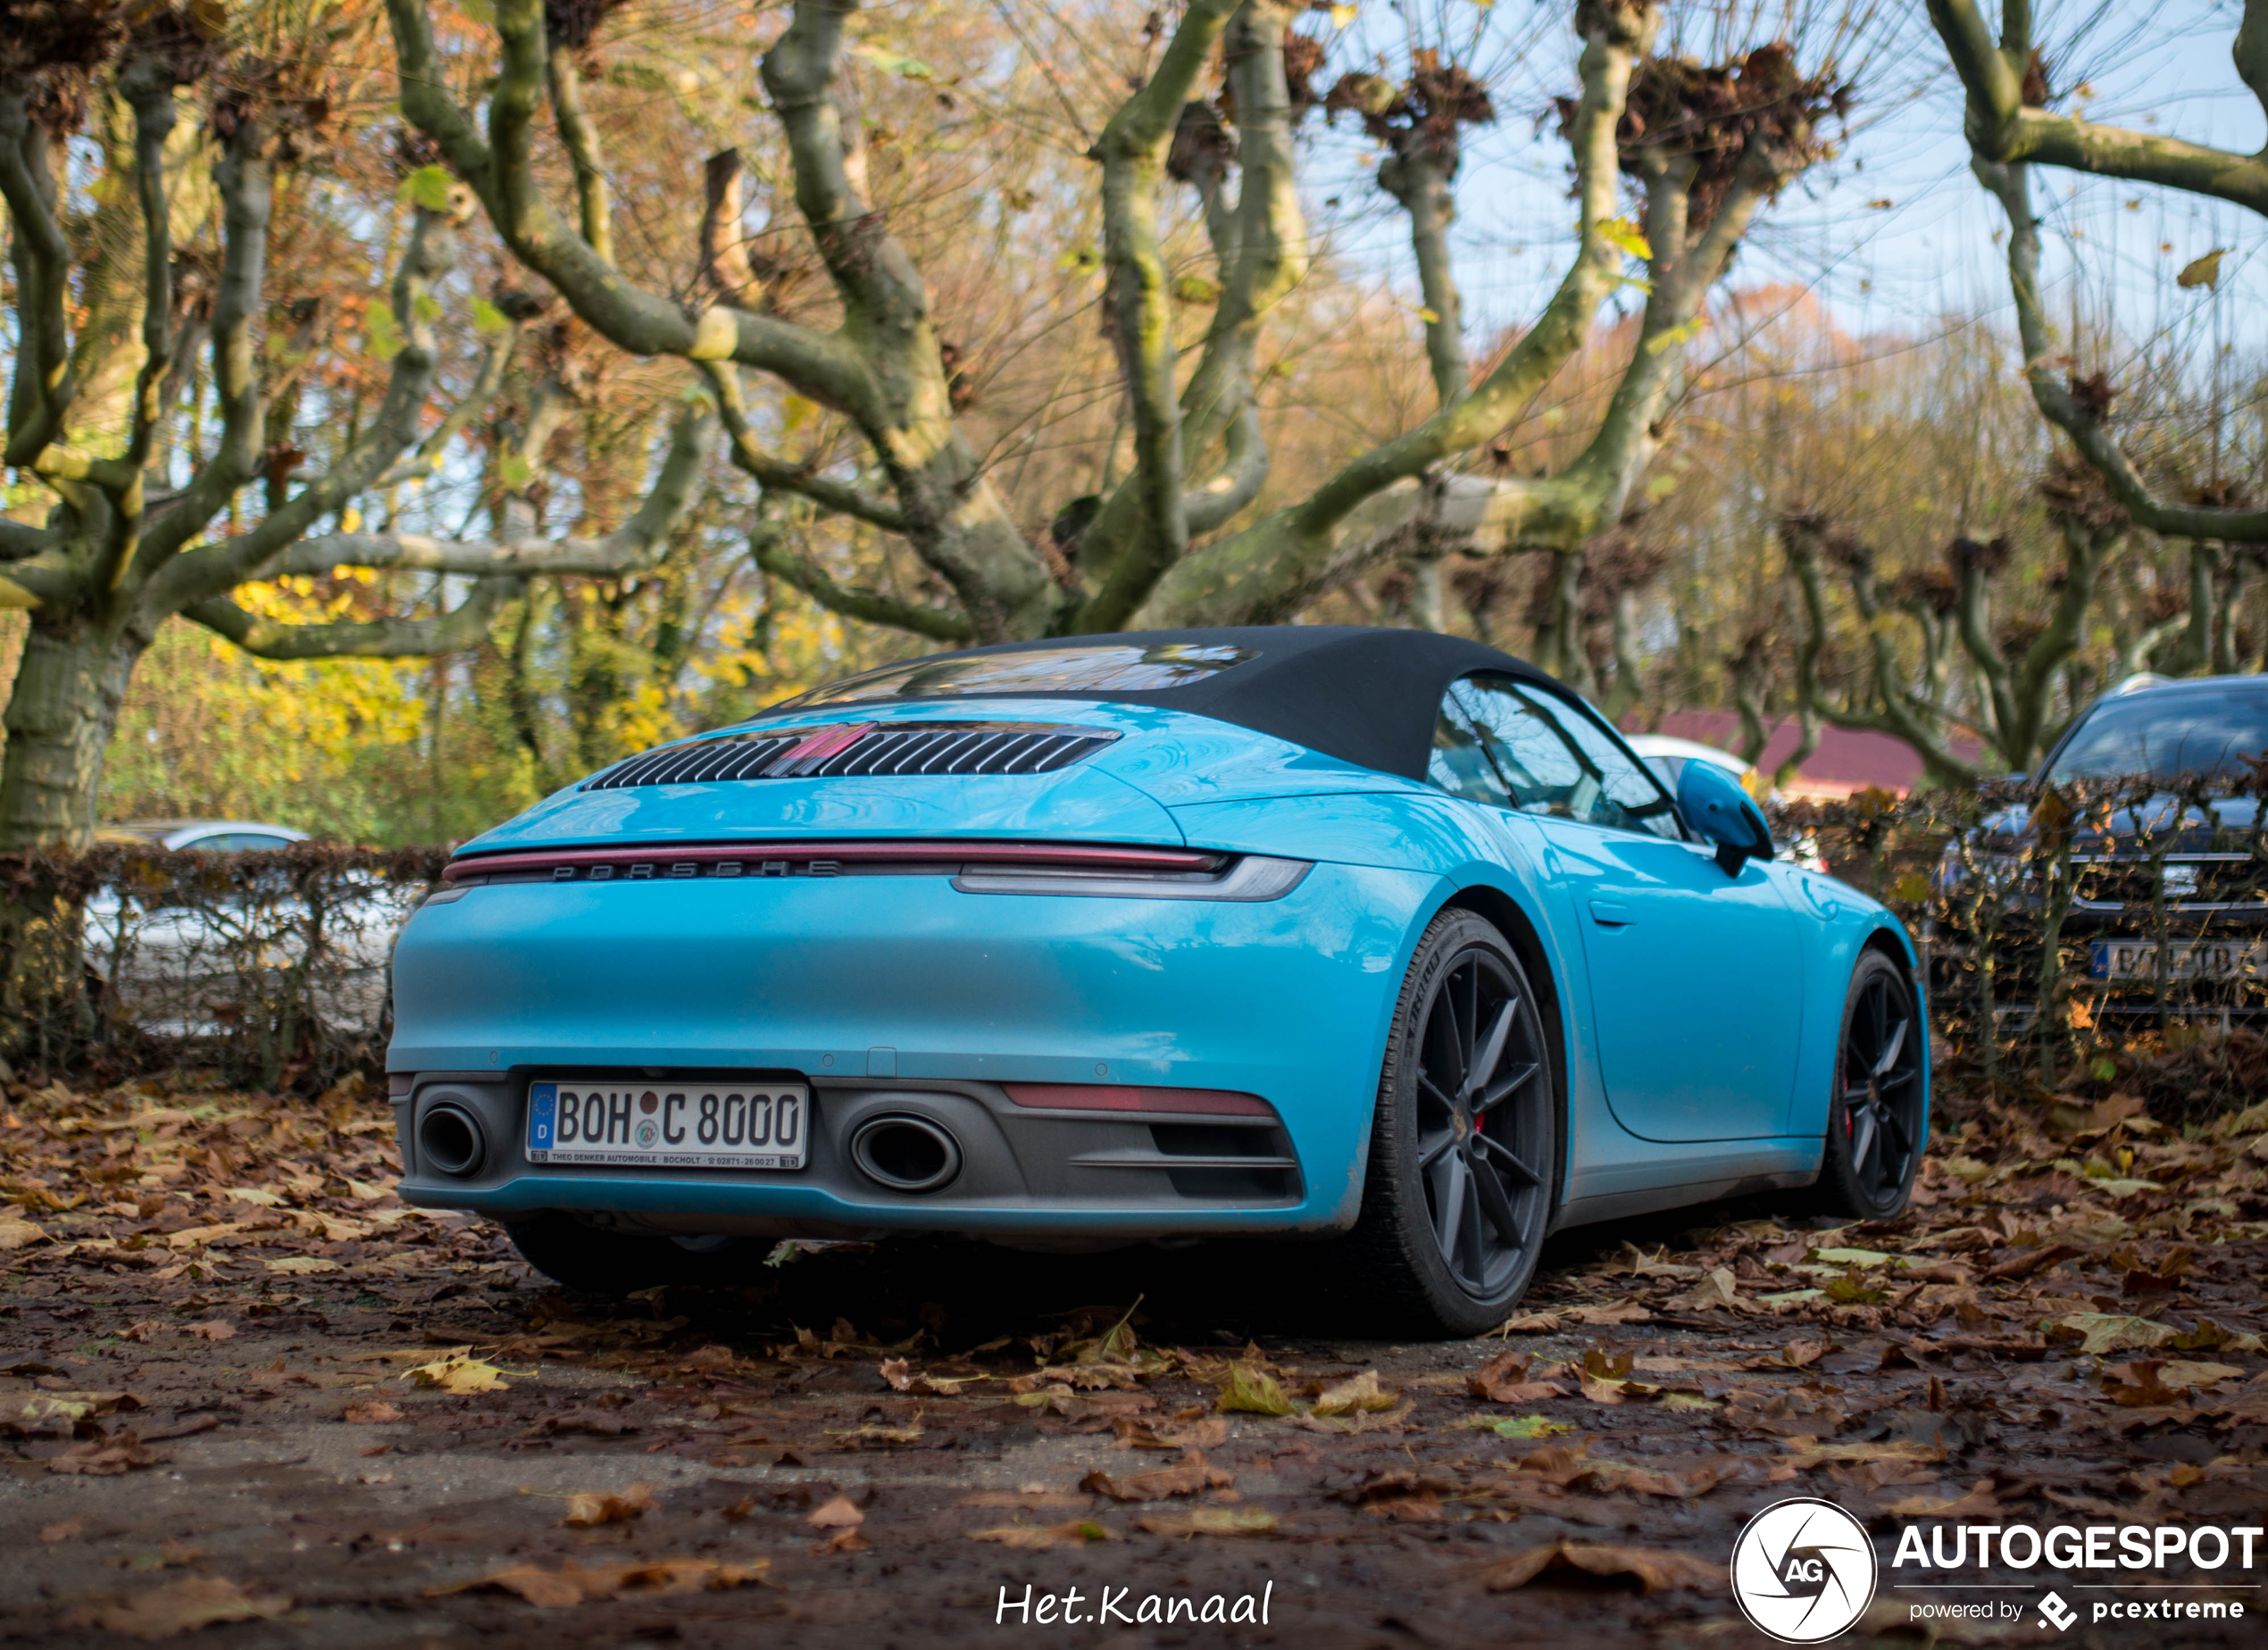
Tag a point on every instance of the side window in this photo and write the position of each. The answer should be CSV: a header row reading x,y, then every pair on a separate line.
x,y
1556,760
1458,765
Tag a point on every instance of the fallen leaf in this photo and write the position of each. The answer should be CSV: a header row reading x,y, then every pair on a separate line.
x,y
2100,1332
1188,1476
2029,1261
1853,1257
1210,1521
555,1589
838,1514
180,1607
1979,1503
303,1265
1530,1323
459,1373
1686,1485
1134,1433
1249,1389
39,1410
591,1508
68,1529
1516,1426
1718,1291
122,1452
2181,1375
16,1232
217,1329
1811,1452
1613,1313
1078,1532
1652,1571
857,1436
1357,1394
901,1377
1504,1380
369,1412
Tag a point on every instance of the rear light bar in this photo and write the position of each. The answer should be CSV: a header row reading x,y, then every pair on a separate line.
x,y
1110,1097
760,859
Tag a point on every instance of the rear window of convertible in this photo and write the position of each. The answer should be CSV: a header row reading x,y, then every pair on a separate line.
x,y
1106,667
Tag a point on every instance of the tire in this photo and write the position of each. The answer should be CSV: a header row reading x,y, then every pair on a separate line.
x,y
1464,1167
591,1260
1875,1126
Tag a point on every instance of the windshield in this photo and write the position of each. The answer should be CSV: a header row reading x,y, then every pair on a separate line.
x,y
2201,730
1104,667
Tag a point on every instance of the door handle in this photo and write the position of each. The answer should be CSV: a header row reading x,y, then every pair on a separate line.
x,y
1611,913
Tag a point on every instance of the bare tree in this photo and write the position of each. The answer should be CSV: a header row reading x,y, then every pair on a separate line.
x,y
1177,538
127,544
2010,129
2005,683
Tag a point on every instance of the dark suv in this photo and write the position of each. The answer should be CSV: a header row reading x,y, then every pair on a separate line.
x,y
2167,904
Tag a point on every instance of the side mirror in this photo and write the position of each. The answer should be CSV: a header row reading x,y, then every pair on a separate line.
x,y
1717,810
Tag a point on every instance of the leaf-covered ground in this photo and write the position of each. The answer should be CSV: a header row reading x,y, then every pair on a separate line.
x,y
246,1393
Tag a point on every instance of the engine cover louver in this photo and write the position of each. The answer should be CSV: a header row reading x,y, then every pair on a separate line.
x,y
852,748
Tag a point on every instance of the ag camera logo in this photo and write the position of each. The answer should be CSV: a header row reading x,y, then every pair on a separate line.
x,y
1803,1571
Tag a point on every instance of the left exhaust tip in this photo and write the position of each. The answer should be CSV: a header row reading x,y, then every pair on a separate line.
x,y
450,1141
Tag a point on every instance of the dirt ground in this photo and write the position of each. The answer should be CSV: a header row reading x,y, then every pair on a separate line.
x,y
248,1396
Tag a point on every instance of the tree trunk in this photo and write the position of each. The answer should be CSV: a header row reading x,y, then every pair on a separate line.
x,y
60,717
60,714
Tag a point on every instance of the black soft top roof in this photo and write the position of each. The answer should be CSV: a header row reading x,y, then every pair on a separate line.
x,y
1365,694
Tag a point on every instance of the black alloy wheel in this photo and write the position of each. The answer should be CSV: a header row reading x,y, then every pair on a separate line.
x,y
1464,1144
1875,1124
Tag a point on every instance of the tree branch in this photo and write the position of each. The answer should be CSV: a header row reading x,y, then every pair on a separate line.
x,y
464,626
635,546
178,578
2002,129
1250,571
40,395
766,544
425,458
246,183
2085,426
1421,183
725,268
580,137
821,367
776,474
1132,149
1260,251
1895,716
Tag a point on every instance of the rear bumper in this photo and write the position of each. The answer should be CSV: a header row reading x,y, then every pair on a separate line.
x,y
901,992
1021,1168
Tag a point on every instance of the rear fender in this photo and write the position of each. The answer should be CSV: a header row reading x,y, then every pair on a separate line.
x,y
1477,863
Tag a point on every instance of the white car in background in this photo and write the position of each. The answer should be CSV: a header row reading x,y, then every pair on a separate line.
x,y
204,836
183,969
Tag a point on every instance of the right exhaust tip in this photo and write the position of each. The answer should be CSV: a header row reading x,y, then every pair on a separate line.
x,y
450,1141
905,1154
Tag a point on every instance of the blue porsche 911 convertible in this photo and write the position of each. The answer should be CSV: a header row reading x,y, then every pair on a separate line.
x,y
1378,937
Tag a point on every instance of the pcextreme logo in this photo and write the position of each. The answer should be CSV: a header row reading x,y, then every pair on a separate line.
x,y
1803,1571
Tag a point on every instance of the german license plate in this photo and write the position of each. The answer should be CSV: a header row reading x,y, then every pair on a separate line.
x,y
669,1125
2186,959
